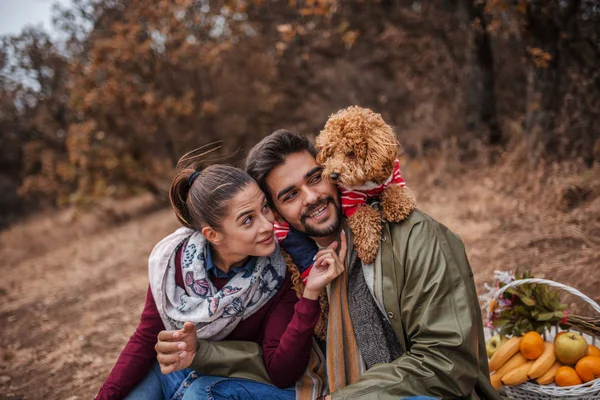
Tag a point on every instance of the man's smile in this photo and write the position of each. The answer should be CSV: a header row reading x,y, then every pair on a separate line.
x,y
318,212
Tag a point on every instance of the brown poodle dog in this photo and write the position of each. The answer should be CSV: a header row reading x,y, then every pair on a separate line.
x,y
358,152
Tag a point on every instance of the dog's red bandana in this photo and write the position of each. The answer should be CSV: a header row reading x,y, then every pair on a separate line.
x,y
352,199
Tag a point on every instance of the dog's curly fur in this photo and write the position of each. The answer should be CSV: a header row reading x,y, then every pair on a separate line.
x,y
359,147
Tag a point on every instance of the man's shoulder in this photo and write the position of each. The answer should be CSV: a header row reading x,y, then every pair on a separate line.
x,y
416,217
428,225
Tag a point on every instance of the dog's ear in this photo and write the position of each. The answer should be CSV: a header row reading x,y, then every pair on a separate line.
x,y
319,145
382,151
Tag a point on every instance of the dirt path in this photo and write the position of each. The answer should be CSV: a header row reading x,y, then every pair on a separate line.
x,y
69,304
67,313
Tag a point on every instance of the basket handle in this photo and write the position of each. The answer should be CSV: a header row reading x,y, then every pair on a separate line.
x,y
566,288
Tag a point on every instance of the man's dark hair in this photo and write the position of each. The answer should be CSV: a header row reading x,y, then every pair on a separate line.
x,y
272,151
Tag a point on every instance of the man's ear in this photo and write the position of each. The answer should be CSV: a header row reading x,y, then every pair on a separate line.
x,y
212,235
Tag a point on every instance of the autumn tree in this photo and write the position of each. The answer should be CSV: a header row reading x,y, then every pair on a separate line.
x,y
129,85
33,116
560,44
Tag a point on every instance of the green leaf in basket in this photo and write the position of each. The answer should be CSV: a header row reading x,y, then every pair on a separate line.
x,y
512,291
527,326
559,314
528,301
507,329
522,311
545,316
499,323
544,298
562,307
540,329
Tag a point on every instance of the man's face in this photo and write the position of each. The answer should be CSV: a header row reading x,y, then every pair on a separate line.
x,y
302,198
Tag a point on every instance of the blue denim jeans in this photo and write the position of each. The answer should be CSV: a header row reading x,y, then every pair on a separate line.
x,y
421,398
219,388
189,385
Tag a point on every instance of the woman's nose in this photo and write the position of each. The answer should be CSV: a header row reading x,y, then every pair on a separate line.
x,y
266,223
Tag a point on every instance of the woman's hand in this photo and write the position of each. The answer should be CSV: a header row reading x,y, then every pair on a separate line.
x,y
176,350
329,264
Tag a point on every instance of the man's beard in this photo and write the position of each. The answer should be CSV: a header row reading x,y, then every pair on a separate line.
x,y
334,225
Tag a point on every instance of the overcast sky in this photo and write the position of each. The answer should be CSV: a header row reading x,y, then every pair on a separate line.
x,y
16,14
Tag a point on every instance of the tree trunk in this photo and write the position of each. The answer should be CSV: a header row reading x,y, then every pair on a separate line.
x,y
481,93
542,93
547,32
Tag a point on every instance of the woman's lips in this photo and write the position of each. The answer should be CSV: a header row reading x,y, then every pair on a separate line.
x,y
267,240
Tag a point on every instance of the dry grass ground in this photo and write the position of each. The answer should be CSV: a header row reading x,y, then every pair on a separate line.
x,y
73,287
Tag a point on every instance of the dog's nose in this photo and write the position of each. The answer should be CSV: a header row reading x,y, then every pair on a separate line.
x,y
334,176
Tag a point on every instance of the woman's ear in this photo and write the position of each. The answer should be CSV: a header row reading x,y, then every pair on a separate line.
x,y
212,235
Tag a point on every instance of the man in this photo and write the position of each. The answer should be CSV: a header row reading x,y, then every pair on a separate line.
x,y
414,315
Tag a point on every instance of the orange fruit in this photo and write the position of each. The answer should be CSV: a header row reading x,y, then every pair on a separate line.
x,y
567,376
532,345
588,368
593,351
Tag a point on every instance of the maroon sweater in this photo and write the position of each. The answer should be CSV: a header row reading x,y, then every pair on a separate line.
x,y
284,328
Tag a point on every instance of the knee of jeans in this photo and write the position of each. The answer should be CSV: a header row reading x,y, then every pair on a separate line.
x,y
201,388
208,381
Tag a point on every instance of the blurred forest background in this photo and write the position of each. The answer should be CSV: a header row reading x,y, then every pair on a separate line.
x,y
496,104
108,106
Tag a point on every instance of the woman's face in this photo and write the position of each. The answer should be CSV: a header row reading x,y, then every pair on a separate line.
x,y
247,229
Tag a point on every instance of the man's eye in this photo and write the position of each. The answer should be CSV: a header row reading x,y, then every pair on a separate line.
x,y
316,178
289,196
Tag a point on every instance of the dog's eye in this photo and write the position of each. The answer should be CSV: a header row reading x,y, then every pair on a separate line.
x,y
350,155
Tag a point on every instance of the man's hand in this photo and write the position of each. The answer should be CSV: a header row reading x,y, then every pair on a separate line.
x,y
176,349
329,264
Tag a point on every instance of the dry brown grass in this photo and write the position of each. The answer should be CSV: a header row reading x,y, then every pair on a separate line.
x,y
72,288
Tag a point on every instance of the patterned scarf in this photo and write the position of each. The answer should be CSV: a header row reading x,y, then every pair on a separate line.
x,y
214,312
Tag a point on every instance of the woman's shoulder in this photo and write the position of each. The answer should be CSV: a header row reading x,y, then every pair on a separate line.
x,y
169,243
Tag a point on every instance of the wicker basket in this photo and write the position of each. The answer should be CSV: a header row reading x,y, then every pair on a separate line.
x,y
532,391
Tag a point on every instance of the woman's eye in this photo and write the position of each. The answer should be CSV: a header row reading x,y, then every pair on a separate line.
x,y
265,207
247,221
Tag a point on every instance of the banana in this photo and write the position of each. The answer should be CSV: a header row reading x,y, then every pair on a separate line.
x,y
496,381
548,377
517,375
516,361
505,352
543,362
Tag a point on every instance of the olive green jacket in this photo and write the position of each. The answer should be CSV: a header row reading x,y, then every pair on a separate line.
x,y
430,300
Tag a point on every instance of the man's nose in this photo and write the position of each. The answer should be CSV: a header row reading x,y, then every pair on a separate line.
x,y
311,196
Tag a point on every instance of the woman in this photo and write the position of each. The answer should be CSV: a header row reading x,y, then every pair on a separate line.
x,y
223,272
